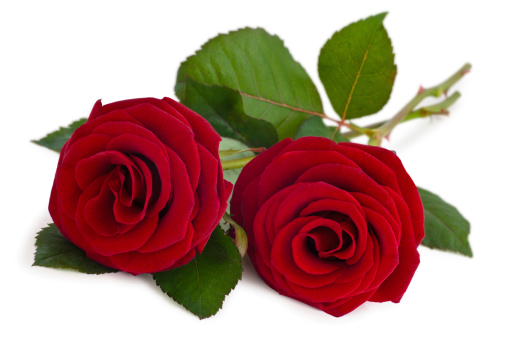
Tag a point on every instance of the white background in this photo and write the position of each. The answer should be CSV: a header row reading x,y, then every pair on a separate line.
x,y
57,58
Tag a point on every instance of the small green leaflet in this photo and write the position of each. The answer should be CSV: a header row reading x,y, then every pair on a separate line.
x,y
239,234
55,251
57,139
316,127
273,86
357,68
445,228
223,108
202,284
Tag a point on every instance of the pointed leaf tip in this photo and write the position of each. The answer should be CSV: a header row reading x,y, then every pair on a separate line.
x,y
202,284
356,67
445,228
55,251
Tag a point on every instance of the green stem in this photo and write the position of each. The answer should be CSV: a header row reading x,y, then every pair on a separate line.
x,y
436,91
371,129
229,152
436,109
234,164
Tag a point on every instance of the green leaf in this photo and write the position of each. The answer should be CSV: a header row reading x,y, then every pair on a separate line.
x,y
223,108
55,251
445,228
316,127
57,139
273,86
357,68
231,175
202,284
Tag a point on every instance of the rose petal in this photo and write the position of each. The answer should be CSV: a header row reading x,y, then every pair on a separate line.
x,y
286,169
249,174
111,245
172,132
136,263
408,188
170,228
204,221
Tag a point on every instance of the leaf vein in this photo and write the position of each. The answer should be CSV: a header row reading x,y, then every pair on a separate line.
x,y
230,63
358,75
283,105
265,110
270,68
286,119
251,67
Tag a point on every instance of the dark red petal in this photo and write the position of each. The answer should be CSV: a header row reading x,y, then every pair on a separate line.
x,y
282,257
312,143
288,167
68,228
136,262
119,243
88,128
307,261
352,180
53,206
172,132
183,260
204,132
204,221
346,305
156,158
327,293
247,210
382,233
249,174
98,211
172,225
65,179
393,288
99,164
260,242
372,166
96,110
121,105
407,186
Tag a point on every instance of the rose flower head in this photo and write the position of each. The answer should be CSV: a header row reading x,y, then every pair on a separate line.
x,y
331,225
139,187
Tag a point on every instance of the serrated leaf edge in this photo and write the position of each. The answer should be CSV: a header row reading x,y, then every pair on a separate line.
x,y
200,304
66,267
382,16
260,98
466,245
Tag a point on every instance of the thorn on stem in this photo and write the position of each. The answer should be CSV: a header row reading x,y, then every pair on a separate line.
x,y
465,72
421,90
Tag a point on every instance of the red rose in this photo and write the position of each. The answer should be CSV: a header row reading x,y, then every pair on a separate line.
x,y
139,187
332,225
